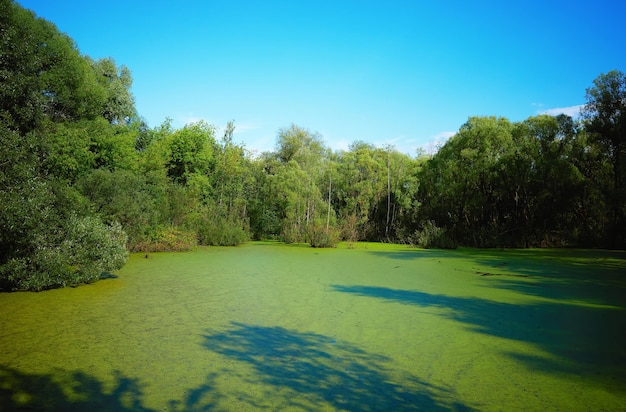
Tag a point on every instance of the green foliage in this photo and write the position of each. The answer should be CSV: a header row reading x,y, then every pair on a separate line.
x,y
119,106
67,150
605,120
45,238
85,249
300,145
27,204
539,182
215,229
460,185
191,150
42,72
319,235
125,197
432,236
166,240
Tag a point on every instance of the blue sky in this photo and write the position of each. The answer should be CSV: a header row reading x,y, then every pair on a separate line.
x,y
406,73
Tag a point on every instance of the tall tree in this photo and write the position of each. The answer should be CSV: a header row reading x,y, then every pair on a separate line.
x,y
119,106
42,73
605,118
301,180
461,191
191,152
48,93
360,187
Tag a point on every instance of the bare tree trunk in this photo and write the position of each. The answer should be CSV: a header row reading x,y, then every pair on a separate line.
x,y
388,194
330,187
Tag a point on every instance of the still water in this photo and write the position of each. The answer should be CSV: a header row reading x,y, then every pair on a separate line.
x,y
368,327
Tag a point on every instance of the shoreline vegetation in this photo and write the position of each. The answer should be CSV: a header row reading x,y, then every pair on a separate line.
x,y
84,180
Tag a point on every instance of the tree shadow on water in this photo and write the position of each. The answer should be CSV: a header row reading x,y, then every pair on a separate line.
x,y
67,391
571,338
320,372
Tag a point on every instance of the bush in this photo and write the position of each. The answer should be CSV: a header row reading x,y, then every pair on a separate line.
x,y
124,197
291,233
167,240
213,229
432,236
350,228
318,235
87,249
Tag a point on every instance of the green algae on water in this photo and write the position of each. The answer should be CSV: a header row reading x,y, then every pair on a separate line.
x,y
365,327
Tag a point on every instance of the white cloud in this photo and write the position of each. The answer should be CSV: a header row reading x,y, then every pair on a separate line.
x,y
255,139
188,118
338,144
573,111
401,143
443,136
241,128
411,145
435,142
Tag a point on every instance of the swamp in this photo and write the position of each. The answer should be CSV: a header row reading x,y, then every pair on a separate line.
x,y
365,326
136,272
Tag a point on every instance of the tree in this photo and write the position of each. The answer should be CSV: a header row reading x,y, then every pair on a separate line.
x,y
42,73
461,189
50,101
66,150
119,106
264,209
191,151
605,118
125,197
47,238
403,187
299,144
361,185
298,179
543,181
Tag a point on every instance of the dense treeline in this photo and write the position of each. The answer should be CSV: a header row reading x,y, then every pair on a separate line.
x,y
83,179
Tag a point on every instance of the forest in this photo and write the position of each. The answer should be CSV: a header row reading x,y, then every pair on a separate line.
x,y
84,180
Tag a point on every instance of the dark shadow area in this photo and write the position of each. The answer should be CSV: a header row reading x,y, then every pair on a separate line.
x,y
68,392
534,261
204,397
65,391
412,254
590,276
582,340
322,372
592,291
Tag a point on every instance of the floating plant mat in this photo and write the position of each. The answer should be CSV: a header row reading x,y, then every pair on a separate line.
x,y
287,327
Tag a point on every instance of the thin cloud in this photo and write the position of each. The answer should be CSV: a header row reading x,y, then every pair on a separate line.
x,y
244,127
401,143
256,140
189,118
573,111
339,144
436,142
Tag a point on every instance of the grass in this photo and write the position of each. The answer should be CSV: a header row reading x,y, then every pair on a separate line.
x,y
360,327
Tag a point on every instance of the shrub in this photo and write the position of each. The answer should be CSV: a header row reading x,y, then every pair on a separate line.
x,y
291,233
432,236
167,240
214,229
86,250
318,235
350,228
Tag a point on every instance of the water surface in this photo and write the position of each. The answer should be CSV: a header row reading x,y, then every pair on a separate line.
x,y
266,326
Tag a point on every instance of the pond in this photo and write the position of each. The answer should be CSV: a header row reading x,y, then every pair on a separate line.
x,y
267,326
